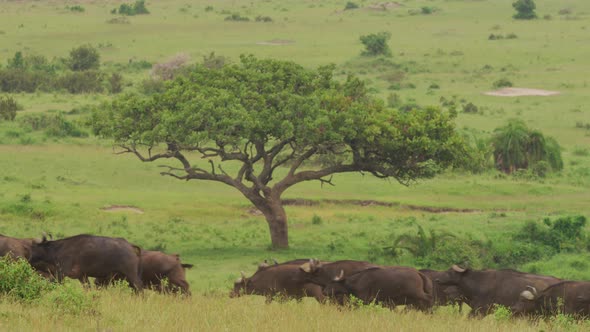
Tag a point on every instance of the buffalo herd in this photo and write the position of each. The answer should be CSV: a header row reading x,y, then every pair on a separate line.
x,y
107,259
525,294
104,258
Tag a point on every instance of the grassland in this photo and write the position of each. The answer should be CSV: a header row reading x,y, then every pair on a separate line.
x,y
61,185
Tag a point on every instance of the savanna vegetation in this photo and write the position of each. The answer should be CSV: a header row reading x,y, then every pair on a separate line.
x,y
309,87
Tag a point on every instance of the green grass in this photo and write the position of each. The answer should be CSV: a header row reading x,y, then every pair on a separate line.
x,y
212,226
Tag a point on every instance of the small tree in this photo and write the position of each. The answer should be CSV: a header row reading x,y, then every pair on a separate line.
x,y
84,57
262,115
525,9
376,44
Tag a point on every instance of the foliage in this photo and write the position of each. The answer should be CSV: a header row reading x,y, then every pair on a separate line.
x,y
236,17
115,83
87,81
502,83
171,68
376,44
8,108
470,108
138,8
19,281
54,125
83,58
280,110
75,8
70,298
21,80
564,234
265,19
502,313
213,61
517,147
525,9
351,5
479,153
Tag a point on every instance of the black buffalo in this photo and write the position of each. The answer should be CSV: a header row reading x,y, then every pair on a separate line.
x,y
323,273
282,280
443,295
15,248
155,267
388,286
83,256
566,297
484,288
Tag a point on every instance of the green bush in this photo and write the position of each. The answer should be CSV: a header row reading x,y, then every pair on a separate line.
x,y
564,234
8,108
376,44
502,83
75,8
265,19
115,83
237,18
19,281
525,9
87,81
138,8
351,5
83,58
54,125
21,80
70,298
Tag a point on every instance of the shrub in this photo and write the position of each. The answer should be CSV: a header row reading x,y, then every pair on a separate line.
x,y
171,68
564,234
81,81
351,5
213,61
8,108
511,35
209,8
150,86
237,18
525,9
84,57
265,19
316,220
426,10
19,281
55,125
75,8
581,151
21,80
470,108
376,44
138,8
502,83
115,83
70,298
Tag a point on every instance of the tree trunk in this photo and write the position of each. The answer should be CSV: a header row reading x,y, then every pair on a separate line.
x,y
277,223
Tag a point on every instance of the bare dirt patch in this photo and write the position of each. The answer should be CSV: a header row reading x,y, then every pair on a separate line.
x,y
276,42
432,209
518,92
125,208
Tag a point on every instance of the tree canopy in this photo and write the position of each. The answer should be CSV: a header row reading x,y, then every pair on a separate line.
x,y
265,114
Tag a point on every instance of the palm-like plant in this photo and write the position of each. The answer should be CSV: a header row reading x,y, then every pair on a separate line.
x,y
422,244
517,147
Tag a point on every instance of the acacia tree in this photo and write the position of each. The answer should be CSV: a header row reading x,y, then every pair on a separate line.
x,y
267,114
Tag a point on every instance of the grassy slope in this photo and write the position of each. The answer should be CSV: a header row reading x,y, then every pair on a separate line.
x,y
209,224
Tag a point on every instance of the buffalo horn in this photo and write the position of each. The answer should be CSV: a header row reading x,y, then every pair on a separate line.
x,y
243,275
527,295
340,276
532,289
306,267
458,269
